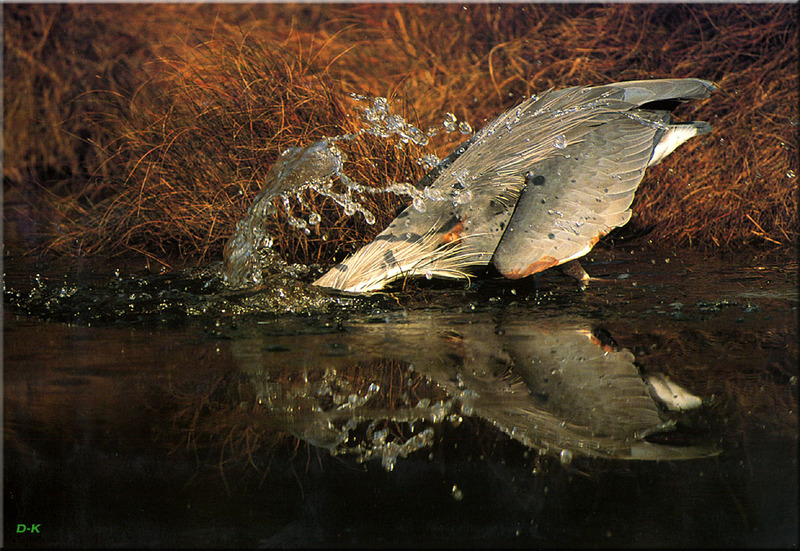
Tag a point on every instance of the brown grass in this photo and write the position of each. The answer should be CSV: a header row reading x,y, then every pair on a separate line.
x,y
169,155
194,154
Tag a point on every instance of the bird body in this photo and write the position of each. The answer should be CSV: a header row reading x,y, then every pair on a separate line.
x,y
536,188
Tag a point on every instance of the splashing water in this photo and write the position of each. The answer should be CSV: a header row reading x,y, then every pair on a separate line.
x,y
248,251
450,122
318,167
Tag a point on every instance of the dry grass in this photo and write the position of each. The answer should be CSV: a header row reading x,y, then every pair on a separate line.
x,y
167,158
196,151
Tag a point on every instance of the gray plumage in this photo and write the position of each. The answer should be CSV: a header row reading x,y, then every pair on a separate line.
x,y
535,188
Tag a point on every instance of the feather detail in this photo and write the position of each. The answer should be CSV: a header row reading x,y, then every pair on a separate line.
x,y
383,261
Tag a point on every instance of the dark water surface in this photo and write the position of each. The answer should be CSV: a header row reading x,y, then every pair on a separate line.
x,y
161,410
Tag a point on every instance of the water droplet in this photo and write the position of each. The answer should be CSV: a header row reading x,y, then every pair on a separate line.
x,y
449,122
462,197
560,141
464,127
298,223
418,137
428,161
790,174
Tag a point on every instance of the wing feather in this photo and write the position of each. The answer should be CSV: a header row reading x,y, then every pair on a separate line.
x,y
581,195
535,188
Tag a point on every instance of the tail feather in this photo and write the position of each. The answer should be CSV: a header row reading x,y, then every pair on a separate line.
x,y
676,135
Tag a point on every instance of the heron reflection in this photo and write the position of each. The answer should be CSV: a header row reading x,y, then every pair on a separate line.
x,y
550,384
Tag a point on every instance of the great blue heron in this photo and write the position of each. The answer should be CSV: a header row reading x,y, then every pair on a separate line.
x,y
536,188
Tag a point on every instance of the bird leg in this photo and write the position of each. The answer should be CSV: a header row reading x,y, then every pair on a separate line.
x,y
574,270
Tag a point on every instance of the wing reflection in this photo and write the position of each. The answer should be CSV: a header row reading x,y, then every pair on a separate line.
x,y
551,384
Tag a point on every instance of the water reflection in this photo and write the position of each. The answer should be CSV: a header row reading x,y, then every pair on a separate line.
x,y
168,424
553,384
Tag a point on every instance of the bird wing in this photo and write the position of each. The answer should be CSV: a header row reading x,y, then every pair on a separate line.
x,y
603,137
491,181
493,169
572,199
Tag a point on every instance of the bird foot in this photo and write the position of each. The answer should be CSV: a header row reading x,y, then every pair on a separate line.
x,y
574,270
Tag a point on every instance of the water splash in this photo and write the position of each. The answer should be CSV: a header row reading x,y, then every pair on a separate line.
x,y
382,122
248,251
319,167
450,122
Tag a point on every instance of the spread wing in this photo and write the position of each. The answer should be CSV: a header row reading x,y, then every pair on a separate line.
x,y
575,196
573,199
580,150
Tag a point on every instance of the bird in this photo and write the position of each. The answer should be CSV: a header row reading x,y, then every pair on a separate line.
x,y
537,187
